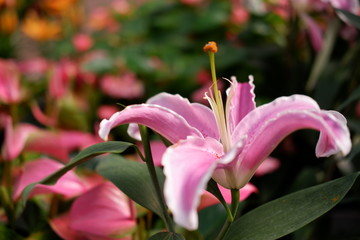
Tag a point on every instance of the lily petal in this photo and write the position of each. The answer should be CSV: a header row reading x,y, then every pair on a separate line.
x,y
186,179
69,185
207,199
267,125
162,120
196,115
15,138
242,101
111,214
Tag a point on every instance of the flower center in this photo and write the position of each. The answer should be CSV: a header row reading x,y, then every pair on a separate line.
x,y
215,99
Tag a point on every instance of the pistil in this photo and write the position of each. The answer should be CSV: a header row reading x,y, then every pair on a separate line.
x,y
215,99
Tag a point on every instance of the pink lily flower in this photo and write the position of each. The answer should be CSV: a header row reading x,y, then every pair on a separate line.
x,y
15,137
69,185
228,144
10,89
125,86
59,144
112,216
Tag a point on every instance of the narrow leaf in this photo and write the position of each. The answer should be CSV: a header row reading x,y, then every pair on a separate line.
x,y
349,17
167,236
355,95
85,155
291,212
134,180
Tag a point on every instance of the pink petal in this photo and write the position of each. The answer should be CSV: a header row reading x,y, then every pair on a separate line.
x,y
269,165
267,125
69,185
196,115
162,120
41,117
111,212
188,166
10,90
315,33
348,5
157,149
15,138
242,99
125,86
61,226
207,199
60,144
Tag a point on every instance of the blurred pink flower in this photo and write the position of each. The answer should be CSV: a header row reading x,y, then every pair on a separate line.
x,y
204,79
269,165
121,7
82,42
15,137
41,117
157,149
239,14
69,185
105,111
59,144
101,19
207,199
10,89
102,213
125,86
34,68
62,73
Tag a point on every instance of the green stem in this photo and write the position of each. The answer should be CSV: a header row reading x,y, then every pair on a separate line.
x,y
322,58
154,178
235,197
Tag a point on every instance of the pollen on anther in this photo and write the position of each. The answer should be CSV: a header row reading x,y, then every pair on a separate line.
x,y
211,46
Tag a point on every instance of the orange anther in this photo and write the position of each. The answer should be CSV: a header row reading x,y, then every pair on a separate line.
x,y
211,46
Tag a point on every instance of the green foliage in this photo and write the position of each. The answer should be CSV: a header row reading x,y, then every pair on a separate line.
x,y
134,180
291,212
166,236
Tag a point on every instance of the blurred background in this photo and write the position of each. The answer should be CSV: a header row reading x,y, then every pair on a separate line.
x,y
67,64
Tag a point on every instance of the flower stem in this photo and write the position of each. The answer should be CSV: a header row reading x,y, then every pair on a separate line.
x,y
154,178
235,197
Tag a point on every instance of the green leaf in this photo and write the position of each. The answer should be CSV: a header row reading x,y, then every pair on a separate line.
x,y
167,236
291,212
355,95
134,180
83,156
213,188
350,17
6,233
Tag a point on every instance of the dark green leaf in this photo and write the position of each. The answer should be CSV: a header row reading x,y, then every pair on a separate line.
x,y
350,17
6,233
86,154
167,236
213,188
291,212
355,95
134,180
